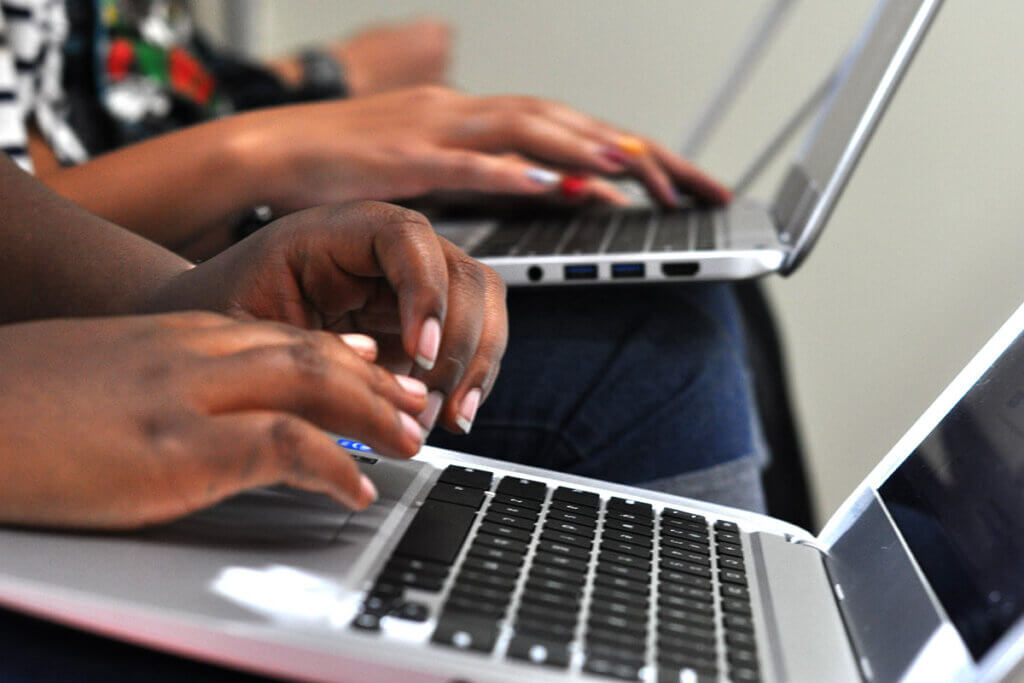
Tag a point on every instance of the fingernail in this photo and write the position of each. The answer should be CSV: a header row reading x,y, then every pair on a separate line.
x,y
429,344
367,490
614,155
411,427
631,146
543,176
360,343
572,186
467,411
428,418
411,385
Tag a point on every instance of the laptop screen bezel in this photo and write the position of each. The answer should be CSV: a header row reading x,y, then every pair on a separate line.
x,y
817,177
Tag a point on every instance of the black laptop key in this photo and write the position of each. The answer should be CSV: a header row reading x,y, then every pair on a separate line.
x,y
556,601
734,563
625,610
513,510
727,537
610,636
460,604
731,590
684,591
692,546
494,596
568,539
459,495
480,564
732,576
669,643
539,650
627,537
465,476
623,571
486,579
437,532
685,631
667,601
538,583
506,532
411,579
686,556
543,571
366,621
509,520
411,611
740,674
736,622
630,232
571,518
625,560
466,633
486,552
609,594
622,584
741,607
518,501
408,564
740,641
705,232
730,549
523,488
380,604
680,578
560,561
569,528
563,549
502,240
541,612
501,543
678,616
722,525
636,507
673,673
576,496
668,514
685,534
616,653
612,669
636,627
562,633
583,510
699,527
673,231
643,520
626,549
685,567
743,658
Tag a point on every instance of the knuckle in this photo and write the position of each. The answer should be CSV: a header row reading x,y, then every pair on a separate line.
x,y
285,438
429,93
468,273
307,360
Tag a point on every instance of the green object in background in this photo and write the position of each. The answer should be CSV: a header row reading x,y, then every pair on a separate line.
x,y
152,61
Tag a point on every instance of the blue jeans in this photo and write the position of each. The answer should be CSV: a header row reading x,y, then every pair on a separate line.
x,y
643,385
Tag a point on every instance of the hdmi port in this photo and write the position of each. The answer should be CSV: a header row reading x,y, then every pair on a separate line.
x,y
680,268
587,272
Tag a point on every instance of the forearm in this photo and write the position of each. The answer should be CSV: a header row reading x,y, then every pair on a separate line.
x,y
58,260
176,189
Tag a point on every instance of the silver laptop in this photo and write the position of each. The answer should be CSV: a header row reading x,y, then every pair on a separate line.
x,y
470,569
742,240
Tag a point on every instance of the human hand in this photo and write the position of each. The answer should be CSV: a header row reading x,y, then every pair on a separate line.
x,y
414,142
395,56
372,268
122,422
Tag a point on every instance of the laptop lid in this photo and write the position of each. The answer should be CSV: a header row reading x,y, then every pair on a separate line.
x,y
866,82
929,552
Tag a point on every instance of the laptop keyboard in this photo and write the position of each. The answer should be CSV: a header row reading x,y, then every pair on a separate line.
x,y
561,578
595,232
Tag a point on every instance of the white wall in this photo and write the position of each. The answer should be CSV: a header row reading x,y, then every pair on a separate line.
x,y
922,259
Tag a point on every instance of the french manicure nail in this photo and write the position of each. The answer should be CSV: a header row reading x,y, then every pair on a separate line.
x,y
411,385
543,176
467,411
367,490
360,343
428,418
429,344
411,427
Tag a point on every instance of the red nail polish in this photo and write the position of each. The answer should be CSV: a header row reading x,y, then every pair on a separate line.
x,y
614,154
572,186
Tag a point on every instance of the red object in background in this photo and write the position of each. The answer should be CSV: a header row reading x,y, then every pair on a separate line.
x,y
119,59
188,76
572,185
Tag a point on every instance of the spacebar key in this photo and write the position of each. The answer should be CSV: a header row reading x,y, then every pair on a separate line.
x,y
437,532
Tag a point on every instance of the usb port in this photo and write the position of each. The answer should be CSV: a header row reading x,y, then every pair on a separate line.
x,y
587,272
628,270
680,268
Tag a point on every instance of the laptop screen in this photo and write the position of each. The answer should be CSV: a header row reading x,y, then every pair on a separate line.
x,y
958,501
